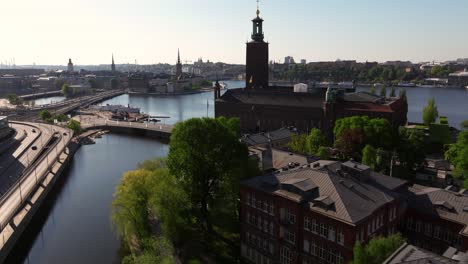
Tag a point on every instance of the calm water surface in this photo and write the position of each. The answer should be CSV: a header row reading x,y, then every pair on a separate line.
x,y
75,226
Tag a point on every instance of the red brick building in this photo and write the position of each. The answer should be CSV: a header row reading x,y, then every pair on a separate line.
x,y
316,213
436,219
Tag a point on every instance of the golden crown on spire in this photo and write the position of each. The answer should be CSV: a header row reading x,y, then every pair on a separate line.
x,y
258,10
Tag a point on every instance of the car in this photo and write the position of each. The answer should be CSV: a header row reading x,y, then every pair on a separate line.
x,y
34,130
65,134
34,148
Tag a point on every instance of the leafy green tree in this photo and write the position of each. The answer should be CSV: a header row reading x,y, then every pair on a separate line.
x,y
93,83
411,154
232,124
67,90
392,92
383,91
359,255
298,143
369,156
372,89
457,154
314,141
430,112
58,84
202,156
323,153
464,125
14,99
377,250
350,143
45,115
377,132
75,126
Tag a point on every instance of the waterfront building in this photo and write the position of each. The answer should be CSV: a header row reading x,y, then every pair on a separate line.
x,y
411,254
316,213
459,78
262,107
178,73
70,66
289,60
4,127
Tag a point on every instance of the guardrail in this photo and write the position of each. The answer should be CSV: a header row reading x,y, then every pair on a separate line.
x,y
38,179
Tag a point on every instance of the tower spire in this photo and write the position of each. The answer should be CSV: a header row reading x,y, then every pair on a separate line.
x,y
178,56
258,9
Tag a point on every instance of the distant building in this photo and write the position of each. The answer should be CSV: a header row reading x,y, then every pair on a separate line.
x,y
70,66
459,78
178,73
316,213
4,128
289,60
303,61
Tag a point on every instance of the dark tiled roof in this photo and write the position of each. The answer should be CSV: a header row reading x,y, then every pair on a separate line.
x,y
409,254
440,203
353,200
263,138
361,97
259,97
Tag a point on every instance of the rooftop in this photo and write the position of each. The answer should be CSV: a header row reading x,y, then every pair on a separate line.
x,y
327,188
440,203
264,138
410,254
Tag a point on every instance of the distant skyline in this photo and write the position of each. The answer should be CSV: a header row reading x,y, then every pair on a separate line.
x,y
48,32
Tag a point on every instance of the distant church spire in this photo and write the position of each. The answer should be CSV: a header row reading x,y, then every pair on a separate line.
x,y
113,64
178,66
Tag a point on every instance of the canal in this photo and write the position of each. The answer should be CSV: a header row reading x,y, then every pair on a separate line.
x,y
75,225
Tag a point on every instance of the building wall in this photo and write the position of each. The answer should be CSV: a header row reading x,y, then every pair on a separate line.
x,y
268,220
421,230
255,118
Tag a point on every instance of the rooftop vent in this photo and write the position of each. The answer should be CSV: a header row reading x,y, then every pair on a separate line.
x,y
465,209
444,205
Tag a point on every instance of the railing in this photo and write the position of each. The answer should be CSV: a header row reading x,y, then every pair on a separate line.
x,y
26,175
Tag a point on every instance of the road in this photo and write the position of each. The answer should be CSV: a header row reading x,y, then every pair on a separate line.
x,y
13,198
93,121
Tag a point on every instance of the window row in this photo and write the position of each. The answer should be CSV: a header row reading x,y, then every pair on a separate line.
x,y
254,256
328,232
329,255
375,224
287,215
261,223
265,206
437,232
392,213
260,242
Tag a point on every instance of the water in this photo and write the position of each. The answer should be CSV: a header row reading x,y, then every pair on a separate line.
x,y
74,224
49,100
177,107
451,102
77,227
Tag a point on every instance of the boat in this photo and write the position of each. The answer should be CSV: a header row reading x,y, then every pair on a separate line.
x,y
403,84
466,87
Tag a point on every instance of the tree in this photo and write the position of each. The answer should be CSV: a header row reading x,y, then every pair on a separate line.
x,y
323,153
411,154
350,143
402,94
430,112
369,156
75,126
457,154
58,84
377,250
314,141
464,125
392,92
383,91
67,90
298,143
372,89
45,115
93,83
14,99
203,155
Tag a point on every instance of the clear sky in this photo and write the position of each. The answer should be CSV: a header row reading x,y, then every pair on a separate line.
x,y
150,31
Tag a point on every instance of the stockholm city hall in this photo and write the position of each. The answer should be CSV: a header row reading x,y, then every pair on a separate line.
x,y
263,107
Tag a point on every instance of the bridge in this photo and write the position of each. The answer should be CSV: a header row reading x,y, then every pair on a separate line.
x,y
41,95
154,130
64,107
27,174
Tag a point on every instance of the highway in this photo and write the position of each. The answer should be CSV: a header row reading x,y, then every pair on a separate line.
x,y
26,178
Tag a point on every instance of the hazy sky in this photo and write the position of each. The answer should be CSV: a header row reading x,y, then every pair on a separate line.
x,y
150,31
